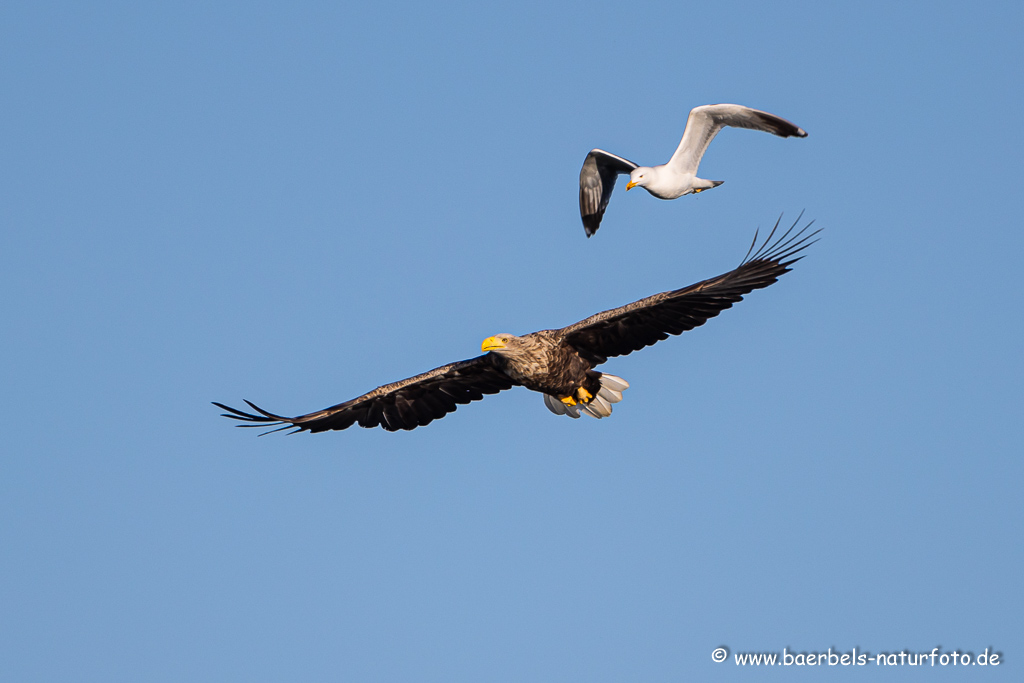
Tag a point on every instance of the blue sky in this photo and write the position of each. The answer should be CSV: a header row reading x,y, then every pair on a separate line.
x,y
295,203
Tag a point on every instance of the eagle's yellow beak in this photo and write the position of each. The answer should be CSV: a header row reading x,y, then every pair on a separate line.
x,y
630,185
492,343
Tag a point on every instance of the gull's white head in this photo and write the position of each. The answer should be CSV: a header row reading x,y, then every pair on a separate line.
x,y
639,177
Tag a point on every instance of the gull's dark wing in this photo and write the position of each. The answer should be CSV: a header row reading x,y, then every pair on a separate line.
x,y
407,404
597,180
645,322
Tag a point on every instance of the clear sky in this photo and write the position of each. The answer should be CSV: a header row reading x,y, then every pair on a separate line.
x,y
297,202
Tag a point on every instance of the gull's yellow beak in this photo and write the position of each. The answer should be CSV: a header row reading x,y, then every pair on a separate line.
x,y
492,343
630,185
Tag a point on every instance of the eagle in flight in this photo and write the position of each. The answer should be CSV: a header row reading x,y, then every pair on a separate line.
x,y
557,363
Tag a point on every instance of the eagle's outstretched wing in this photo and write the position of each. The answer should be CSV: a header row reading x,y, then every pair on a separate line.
x,y
407,404
642,323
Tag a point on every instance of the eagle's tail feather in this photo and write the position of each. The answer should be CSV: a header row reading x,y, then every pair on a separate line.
x,y
599,406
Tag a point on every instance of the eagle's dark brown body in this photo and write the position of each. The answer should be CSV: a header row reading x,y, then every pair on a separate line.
x,y
544,362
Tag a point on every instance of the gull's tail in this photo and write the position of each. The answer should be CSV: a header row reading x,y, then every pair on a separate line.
x,y
699,184
599,406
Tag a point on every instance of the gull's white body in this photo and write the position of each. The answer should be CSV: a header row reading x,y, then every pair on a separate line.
x,y
665,182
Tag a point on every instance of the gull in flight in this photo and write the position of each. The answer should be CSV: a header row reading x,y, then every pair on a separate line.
x,y
679,176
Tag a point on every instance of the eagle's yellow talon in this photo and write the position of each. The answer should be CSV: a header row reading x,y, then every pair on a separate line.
x,y
584,395
568,400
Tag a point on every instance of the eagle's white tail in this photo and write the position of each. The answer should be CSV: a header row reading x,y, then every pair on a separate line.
x,y
599,406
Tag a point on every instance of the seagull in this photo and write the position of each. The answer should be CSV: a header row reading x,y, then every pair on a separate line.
x,y
679,176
